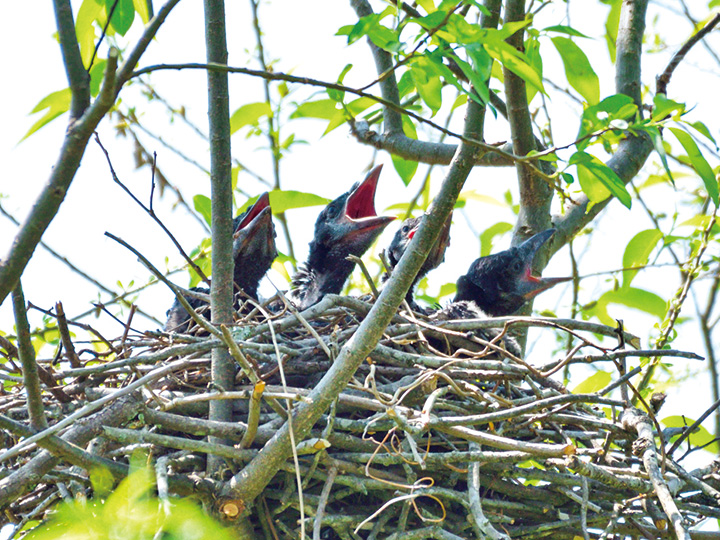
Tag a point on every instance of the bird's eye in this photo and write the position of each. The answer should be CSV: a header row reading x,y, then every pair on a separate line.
x,y
517,266
405,229
331,212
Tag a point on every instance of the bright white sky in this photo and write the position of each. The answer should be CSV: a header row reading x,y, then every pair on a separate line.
x,y
304,44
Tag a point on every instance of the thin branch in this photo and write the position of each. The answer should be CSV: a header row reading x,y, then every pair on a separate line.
x,y
152,214
78,78
662,81
26,353
392,107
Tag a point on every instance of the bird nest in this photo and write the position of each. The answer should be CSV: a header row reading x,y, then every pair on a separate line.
x,y
441,433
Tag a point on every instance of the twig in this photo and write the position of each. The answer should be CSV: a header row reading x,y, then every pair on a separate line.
x,y
644,446
65,336
661,82
324,495
91,407
481,524
26,353
152,214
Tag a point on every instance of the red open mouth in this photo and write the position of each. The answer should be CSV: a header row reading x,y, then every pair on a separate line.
x,y
361,202
260,205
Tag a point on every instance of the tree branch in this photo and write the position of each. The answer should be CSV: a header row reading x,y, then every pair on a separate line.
x,y
29,475
71,153
26,353
277,76
535,193
632,152
78,78
221,290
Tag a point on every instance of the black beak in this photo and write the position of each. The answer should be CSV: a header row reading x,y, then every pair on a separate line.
x,y
530,285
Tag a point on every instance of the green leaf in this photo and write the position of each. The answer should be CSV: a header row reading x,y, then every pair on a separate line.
x,y
249,114
699,437
370,26
662,107
478,81
56,104
637,253
89,12
405,168
96,76
611,26
487,236
516,62
532,50
578,70
325,109
141,7
428,83
123,16
597,180
659,145
284,200
202,207
562,29
631,297
385,38
702,128
594,383
698,162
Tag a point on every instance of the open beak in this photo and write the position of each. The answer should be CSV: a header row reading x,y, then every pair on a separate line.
x,y
255,231
530,285
360,205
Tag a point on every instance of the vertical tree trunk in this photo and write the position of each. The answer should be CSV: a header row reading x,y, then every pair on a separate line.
x,y
221,291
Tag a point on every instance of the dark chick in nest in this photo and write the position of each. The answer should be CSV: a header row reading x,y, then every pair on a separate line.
x,y
399,244
499,285
253,252
346,226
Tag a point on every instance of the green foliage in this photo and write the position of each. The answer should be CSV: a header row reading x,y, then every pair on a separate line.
x,y
597,381
249,114
130,512
578,70
631,297
698,162
123,16
202,206
56,103
637,253
599,181
489,234
699,437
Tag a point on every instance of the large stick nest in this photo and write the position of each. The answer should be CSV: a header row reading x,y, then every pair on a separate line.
x,y
421,444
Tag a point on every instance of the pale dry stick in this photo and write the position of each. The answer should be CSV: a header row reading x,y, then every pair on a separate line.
x,y
289,420
324,496
126,436
505,443
481,524
635,420
253,415
93,406
241,394
247,367
199,319
291,308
